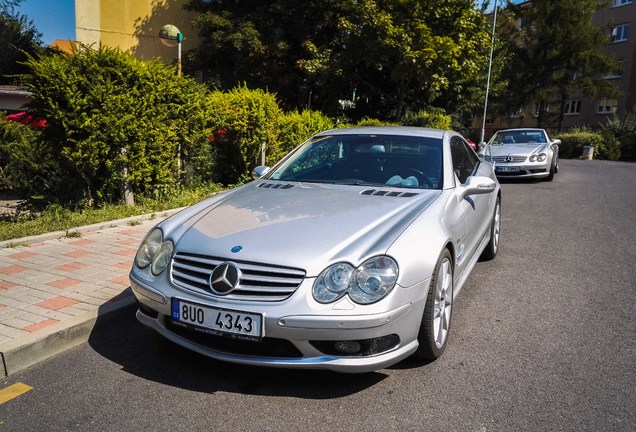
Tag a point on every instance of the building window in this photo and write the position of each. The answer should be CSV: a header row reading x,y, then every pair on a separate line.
x,y
617,3
616,73
516,114
490,121
572,107
620,33
607,106
537,108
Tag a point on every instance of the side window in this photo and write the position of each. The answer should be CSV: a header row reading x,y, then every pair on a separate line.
x,y
464,159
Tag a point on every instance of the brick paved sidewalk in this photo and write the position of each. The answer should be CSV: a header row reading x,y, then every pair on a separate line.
x,y
49,285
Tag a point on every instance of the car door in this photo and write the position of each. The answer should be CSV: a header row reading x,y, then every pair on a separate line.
x,y
476,208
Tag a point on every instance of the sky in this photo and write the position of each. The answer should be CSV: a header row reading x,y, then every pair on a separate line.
x,y
55,19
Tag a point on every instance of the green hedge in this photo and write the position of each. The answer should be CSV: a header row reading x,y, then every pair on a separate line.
x,y
572,143
26,169
437,119
294,128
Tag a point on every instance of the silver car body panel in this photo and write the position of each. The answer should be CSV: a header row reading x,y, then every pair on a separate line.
x,y
310,226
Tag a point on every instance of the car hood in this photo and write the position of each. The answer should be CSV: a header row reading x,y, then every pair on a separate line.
x,y
515,149
300,225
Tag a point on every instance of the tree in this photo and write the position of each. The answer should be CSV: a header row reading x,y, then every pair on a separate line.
x,y
557,51
377,56
18,38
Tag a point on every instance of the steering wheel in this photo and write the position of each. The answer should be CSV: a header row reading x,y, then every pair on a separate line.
x,y
421,177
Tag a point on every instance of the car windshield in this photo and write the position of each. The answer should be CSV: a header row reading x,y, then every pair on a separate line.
x,y
519,137
366,159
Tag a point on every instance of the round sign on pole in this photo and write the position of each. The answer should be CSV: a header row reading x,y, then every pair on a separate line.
x,y
170,35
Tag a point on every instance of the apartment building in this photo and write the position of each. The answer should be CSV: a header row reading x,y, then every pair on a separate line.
x,y
618,19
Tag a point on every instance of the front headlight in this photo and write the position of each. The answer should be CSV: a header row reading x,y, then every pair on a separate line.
x,y
148,248
162,258
154,251
538,157
370,282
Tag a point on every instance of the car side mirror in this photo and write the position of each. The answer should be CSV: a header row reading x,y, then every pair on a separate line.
x,y
556,141
259,172
476,185
481,145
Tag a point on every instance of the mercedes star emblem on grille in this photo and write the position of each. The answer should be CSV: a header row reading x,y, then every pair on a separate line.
x,y
225,278
508,159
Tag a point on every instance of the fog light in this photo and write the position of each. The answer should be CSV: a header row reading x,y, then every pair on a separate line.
x,y
347,347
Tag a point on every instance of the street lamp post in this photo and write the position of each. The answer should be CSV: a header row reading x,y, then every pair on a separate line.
x,y
171,36
492,47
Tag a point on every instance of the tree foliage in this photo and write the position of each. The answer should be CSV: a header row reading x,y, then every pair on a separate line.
x,y
557,51
376,57
18,38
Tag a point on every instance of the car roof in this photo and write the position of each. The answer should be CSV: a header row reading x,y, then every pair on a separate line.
x,y
388,130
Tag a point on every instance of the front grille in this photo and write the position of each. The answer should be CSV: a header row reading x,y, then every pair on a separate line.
x,y
267,347
259,282
515,159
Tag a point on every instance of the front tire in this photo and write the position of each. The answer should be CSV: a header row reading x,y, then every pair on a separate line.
x,y
436,321
490,252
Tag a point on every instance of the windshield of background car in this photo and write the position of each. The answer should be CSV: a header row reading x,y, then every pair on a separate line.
x,y
519,137
388,160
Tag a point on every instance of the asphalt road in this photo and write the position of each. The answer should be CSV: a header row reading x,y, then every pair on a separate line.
x,y
543,338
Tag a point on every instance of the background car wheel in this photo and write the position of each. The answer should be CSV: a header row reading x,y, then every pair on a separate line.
x,y
495,229
436,320
553,170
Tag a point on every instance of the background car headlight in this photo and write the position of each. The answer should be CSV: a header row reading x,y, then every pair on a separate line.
x,y
538,157
370,282
148,248
162,258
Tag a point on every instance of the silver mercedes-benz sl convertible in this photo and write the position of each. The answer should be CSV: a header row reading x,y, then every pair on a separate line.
x,y
346,255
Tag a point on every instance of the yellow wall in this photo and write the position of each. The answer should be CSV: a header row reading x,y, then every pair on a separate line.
x,y
133,25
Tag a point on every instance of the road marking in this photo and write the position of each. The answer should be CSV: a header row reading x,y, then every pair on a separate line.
x,y
13,391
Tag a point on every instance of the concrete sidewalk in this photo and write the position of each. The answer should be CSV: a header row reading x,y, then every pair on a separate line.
x,y
53,287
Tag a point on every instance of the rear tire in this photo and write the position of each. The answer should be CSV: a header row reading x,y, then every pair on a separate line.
x,y
436,321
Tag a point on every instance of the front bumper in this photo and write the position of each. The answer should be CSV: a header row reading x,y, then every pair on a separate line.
x,y
521,170
298,340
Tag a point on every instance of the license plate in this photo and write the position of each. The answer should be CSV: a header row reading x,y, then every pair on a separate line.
x,y
507,169
218,321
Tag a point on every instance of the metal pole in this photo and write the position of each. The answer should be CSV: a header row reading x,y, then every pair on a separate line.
x,y
179,39
492,47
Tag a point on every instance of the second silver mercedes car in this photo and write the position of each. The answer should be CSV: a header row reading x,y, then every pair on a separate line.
x,y
523,153
346,255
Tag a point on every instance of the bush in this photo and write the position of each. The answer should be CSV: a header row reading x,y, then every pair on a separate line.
x,y
572,143
26,167
431,119
624,130
295,127
245,123
114,120
367,121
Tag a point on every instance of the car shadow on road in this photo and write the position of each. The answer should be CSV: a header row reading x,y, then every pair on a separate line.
x,y
140,351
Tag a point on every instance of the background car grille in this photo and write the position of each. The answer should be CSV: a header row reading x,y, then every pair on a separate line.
x,y
259,282
515,159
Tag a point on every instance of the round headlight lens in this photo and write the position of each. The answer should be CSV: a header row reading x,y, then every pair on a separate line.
x,y
333,283
533,158
374,279
541,157
148,248
162,258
